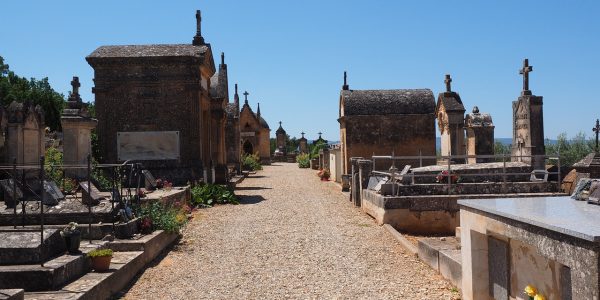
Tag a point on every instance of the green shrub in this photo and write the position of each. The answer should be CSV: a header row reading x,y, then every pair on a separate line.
x,y
314,151
251,162
100,253
303,160
210,194
163,216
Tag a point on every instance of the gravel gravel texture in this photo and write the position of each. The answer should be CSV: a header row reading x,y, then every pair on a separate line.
x,y
292,237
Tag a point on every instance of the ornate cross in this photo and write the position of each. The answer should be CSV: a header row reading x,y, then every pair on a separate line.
x,y
525,72
279,123
246,96
75,84
597,131
447,81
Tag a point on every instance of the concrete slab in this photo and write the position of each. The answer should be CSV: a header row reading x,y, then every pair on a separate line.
x,y
429,248
22,247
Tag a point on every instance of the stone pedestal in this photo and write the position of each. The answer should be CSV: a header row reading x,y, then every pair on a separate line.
x,y
354,181
528,131
365,167
450,112
25,134
480,136
77,142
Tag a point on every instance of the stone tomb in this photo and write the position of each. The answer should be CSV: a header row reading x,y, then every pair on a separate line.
x,y
27,248
550,243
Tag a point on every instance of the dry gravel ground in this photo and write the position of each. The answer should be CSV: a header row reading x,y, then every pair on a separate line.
x,y
293,236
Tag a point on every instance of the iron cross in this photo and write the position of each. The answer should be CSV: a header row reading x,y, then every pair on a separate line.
x,y
525,72
448,81
597,131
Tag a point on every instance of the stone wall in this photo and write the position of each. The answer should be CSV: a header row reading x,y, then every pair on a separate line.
x,y
154,94
403,135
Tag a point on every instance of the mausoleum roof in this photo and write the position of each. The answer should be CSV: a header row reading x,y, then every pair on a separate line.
x,y
387,102
163,50
451,101
231,110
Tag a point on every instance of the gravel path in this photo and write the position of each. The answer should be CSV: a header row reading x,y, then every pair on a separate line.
x,y
293,236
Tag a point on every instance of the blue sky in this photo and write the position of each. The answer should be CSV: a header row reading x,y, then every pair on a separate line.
x,y
290,55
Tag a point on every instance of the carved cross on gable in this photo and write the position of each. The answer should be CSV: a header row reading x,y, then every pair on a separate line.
x,y
525,72
302,133
198,23
279,123
320,134
597,131
246,96
448,82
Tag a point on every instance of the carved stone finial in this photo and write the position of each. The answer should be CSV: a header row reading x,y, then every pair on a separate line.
x,y
222,58
475,109
345,87
198,39
525,72
597,131
236,89
448,82
74,101
302,133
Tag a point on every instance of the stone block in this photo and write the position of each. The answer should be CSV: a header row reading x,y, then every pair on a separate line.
x,y
450,265
429,249
12,294
26,247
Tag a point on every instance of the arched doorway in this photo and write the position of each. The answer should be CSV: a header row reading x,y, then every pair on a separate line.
x,y
248,148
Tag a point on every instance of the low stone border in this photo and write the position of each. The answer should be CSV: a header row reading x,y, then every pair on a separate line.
x,y
400,238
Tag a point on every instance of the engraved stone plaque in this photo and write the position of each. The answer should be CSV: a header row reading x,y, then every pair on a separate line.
x,y
148,145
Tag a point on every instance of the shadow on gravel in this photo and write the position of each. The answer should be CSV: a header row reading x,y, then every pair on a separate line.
x,y
256,176
251,199
251,188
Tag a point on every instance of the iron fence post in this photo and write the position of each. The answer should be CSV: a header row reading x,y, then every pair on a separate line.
x,y
89,204
14,177
42,198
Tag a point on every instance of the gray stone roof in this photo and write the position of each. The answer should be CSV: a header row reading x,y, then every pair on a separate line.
x,y
388,102
149,51
231,110
451,101
261,121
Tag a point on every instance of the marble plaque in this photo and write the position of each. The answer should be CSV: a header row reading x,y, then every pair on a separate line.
x,y
247,134
498,268
148,145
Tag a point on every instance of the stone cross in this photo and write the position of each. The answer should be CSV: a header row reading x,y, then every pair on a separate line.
x,y
525,72
302,133
597,131
198,23
246,96
448,81
75,84
345,87
279,123
320,135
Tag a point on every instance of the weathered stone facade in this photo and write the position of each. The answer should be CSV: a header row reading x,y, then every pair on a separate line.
x,y
383,122
303,144
25,138
480,136
528,125
254,132
232,133
450,113
161,89
281,139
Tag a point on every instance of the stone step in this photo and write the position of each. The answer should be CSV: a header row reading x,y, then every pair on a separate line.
x,y
99,285
444,256
129,258
12,294
52,275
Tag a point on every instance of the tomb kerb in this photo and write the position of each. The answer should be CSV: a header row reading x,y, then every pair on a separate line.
x,y
450,113
528,125
77,128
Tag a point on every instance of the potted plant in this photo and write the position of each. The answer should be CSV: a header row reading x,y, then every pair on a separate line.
x,y
100,259
325,174
72,237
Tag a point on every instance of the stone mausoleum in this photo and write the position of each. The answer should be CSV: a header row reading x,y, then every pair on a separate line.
x,y
383,122
254,132
154,104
